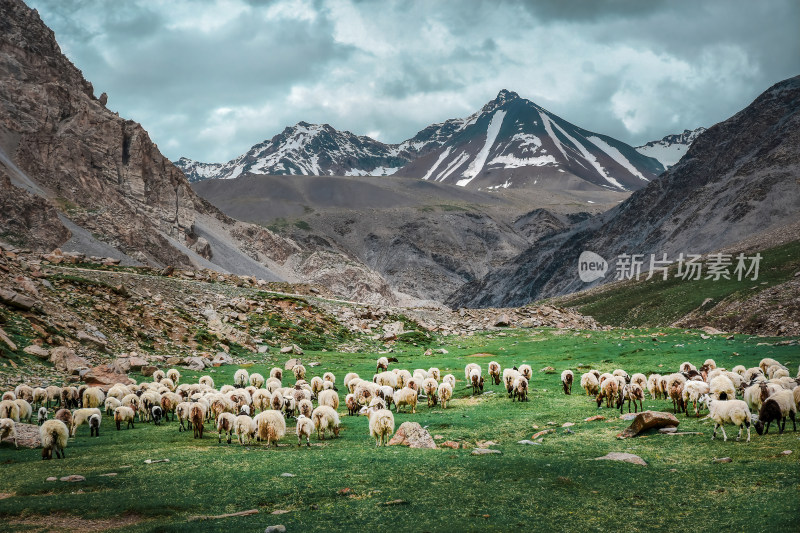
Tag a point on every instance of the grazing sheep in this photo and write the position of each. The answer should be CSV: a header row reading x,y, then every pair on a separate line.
x,y
603,377
262,399
245,429
383,363
450,379
365,391
132,401
631,392
256,380
403,377
727,411
590,384
622,374
385,378
94,425
304,428
476,379
692,392
420,374
276,373
469,368
494,372
174,375
65,415
197,416
41,416
640,379
169,401
777,408
785,382
54,435
325,417
710,364
226,423
381,424
23,391
736,379
406,396
39,396
183,412
156,413
8,396
444,393
520,389
305,407
509,375
662,386
566,381
82,416
430,386
53,395
124,414
8,429
272,385
722,388
378,402
329,377
687,366
434,373
653,386
317,385
158,375
385,393
329,398
118,391
241,378
111,404
739,369
93,397
25,410
609,390
9,409
271,426
765,363
352,404
207,381
276,403
777,371
752,374
348,378
526,371
675,383
299,372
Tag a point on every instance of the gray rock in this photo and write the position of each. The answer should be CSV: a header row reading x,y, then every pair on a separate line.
x,y
622,456
528,442
279,528
484,451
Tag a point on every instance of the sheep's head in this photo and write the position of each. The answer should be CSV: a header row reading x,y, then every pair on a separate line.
x,y
759,427
336,431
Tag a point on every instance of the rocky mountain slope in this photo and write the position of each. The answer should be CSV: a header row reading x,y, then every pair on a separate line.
x,y
75,174
671,148
510,142
738,179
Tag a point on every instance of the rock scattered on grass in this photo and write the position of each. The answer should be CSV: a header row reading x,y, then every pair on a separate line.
x,y
528,442
648,420
723,460
541,433
279,511
52,478
278,528
153,461
567,424
670,429
73,478
413,435
786,452
287,474
484,451
624,457
593,418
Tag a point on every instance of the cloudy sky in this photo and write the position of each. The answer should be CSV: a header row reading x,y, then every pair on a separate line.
x,y
208,79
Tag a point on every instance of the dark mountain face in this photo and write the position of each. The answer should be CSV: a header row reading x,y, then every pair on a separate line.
x,y
738,179
510,142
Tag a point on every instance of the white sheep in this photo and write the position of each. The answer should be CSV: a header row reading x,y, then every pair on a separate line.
x,y
299,372
174,375
325,417
385,378
609,390
687,367
305,407
317,385
226,423
653,386
124,414
385,393
351,403
765,363
241,378
406,396
330,377
728,411
777,408
621,374
752,374
158,375
640,379
632,392
9,409
675,383
739,369
39,396
41,415
53,394
348,378
111,404
566,381
271,426
721,388
434,373
469,368
403,377
245,429
82,416
692,392
8,396
304,428
329,398
430,386
208,381
509,375
476,380
182,411
23,391
450,379
590,384
272,385
54,435
526,371
25,409
777,371
276,373
381,424
383,363
494,372
520,389
256,380
710,364
8,429
445,392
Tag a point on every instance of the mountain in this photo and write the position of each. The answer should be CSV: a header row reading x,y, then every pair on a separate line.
x,y
671,148
305,149
737,181
510,142
75,174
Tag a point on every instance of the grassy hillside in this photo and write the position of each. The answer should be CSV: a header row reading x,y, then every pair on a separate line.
x,y
349,485
658,302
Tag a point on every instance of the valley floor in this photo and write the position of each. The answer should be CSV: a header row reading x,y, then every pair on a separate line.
x,y
348,484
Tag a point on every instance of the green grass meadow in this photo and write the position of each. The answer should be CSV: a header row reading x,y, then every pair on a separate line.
x,y
345,484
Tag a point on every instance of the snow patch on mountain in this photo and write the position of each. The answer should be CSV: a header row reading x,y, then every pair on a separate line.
x,y
477,164
670,149
616,155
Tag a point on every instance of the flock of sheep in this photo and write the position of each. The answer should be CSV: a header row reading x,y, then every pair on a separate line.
x,y
767,389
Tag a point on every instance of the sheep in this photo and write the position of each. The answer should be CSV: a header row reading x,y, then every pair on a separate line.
x,y
603,377
256,380
325,417
8,429
640,379
675,383
245,429
444,393
710,364
662,386
526,371
174,375
469,368
777,371
54,435
739,369
385,378
652,386
434,373
23,391
365,391
276,403
721,388
299,372
330,377
9,409
158,375
493,369
39,396
589,383
420,374
383,363
25,410
687,366
403,377
305,407
765,363
272,385
111,404
385,393
381,424
241,378
430,386
622,374
406,396
692,392
329,398
82,416
566,381
476,379
124,414
276,373
197,416
261,399
225,389
509,375
304,428
271,426
351,403
53,394
735,378
10,396
226,423
183,412
727,411
609,390
777,407
157,413
450,379
631,392
207,381
169,401
41,416
520,389
65,415
132,401
348,378
752,374
796,393
147,401
377,402
415,384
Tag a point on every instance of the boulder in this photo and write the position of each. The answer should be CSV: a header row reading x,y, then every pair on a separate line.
x,y
38,351
149,370
17,300
413,435
85,338
503,321
484,451
291,363
222,359
194,363
648,420
450,444
27,436
65,360
624,457
8,342
104,376
137,363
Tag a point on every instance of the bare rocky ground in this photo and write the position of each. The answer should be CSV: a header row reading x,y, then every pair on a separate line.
x,y
65,317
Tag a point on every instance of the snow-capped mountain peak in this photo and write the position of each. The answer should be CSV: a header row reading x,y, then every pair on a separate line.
x,y
671,148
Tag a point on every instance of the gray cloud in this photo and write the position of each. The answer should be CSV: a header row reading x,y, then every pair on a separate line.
x,y
210,78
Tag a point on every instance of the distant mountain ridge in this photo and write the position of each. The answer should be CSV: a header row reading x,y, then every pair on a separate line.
x,y
509,142
670,148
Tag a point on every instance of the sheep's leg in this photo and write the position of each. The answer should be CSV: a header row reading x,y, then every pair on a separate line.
x,y
724,435
794,425
714,434
739,435
748,431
